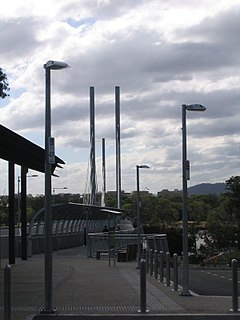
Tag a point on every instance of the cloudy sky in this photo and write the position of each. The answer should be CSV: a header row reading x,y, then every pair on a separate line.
x,y
161,53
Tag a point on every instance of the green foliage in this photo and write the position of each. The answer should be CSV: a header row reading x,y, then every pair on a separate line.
x,y
222,233
3,211
218,215
4,86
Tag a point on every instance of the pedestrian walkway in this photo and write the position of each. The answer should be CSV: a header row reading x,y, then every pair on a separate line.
x,y
87,286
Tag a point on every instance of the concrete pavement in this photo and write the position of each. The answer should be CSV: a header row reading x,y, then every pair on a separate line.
x,y
86,287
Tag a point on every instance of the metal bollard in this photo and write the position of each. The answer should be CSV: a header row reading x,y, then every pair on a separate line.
x,y
7,292
234,286
175,274
143,287
155,264
151,263
167,269
161,266
147,261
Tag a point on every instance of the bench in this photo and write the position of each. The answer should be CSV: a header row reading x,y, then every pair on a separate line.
x,y
127,254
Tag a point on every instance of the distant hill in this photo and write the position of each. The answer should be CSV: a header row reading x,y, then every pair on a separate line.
x,y
207,188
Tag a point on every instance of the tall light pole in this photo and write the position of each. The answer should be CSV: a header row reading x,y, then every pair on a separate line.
x,y
143,166
185,177
49,161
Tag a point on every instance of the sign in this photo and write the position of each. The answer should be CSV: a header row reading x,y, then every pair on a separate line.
x,y
187,169
51,151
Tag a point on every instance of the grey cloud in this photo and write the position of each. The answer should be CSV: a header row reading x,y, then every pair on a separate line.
x,y
70,112
18,38
171,60
222,28
101,10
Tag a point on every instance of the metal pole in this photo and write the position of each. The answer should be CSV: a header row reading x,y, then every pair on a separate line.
x,y
7,292
151,263
48,308
103,173
161,266
92,151
11,212
234,286
167,269
147,260
155,264
185,289
18,204
143,287
175,268
23,212
138,221
118,152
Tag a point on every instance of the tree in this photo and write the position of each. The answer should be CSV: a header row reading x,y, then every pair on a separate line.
x,y
4,86
221,233
233,203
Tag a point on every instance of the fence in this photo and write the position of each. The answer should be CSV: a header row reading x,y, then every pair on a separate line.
x,y
99,241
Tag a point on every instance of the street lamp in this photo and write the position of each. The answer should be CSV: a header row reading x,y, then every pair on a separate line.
x,y
61,188
54,189
49,160
185,177
143,166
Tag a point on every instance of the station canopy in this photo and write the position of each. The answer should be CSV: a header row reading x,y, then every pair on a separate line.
x,y
23,152
77,211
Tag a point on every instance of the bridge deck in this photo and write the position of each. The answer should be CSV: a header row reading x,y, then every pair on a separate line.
x,y
88,286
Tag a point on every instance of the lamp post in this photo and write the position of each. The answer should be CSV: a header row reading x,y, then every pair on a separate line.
x,y
54,189
49,160
143,166
185,177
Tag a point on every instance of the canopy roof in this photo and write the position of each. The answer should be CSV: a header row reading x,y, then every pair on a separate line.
x,y
77,211
22,152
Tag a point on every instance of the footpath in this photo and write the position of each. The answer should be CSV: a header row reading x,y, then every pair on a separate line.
x,y
86,288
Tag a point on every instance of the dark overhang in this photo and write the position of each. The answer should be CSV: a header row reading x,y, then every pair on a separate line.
x,y
77,211
23,152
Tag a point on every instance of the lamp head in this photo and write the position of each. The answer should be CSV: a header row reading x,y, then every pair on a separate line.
x,y
55,65
143,166
194,107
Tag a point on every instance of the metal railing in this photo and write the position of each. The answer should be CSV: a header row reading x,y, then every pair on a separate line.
x,y
100,241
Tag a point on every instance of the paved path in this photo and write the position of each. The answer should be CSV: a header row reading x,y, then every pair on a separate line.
x,y
89,286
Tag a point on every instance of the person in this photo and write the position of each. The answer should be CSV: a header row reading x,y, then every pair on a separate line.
x,y
105,229
144,246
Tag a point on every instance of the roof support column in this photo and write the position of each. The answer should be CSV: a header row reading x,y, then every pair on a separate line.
x,y
11,212
24,172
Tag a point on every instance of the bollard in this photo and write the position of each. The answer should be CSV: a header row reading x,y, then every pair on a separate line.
x,y
147,261
161,266
234,286
151,262
167,269
155,264
143,287
175,274
7,292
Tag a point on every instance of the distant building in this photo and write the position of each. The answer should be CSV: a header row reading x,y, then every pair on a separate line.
x,y
166,191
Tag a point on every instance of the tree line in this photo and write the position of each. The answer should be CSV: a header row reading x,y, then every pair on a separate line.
x,y
215,218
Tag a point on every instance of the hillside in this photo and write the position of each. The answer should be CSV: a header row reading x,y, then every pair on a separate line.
x,y
207,188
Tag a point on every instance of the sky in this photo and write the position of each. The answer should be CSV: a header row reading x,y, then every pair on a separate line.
x,y
161,54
